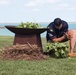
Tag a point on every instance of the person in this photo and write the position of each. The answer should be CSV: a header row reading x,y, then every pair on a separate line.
x,y
58,32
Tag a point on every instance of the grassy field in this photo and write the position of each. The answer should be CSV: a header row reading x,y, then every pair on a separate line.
x,y
51,66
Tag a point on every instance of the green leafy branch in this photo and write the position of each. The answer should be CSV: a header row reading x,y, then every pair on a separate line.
x,y
59,50
28,25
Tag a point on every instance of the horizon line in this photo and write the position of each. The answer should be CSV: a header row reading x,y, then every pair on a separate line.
x,y
35,22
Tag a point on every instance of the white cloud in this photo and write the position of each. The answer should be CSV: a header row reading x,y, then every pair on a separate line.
x,y
40,2
4,2
54,5
31,3
36,10
64,6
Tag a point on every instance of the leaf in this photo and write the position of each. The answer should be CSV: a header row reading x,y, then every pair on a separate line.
x,y
28,25
60,49
57,54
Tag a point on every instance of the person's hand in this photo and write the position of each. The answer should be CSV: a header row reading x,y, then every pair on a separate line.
x,y
58,39
55,40
69,34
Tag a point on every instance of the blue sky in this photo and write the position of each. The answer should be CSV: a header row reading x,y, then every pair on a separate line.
x,y
16,11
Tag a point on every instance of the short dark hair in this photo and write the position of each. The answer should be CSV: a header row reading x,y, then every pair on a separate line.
x,y
57,22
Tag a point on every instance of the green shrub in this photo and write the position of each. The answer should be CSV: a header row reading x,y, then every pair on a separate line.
x,y
57,49
28,25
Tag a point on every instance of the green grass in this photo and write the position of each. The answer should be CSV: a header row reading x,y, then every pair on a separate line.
x,y
6,41
51,66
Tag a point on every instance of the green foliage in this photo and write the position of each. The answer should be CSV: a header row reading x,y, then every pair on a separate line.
x,y
59,50
28,25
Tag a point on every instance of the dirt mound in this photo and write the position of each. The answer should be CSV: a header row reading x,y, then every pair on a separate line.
x,y
26,51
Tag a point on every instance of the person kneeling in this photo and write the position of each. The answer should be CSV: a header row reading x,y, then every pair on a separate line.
x,y
58,32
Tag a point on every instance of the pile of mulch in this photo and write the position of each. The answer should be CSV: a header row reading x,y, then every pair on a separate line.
x,y
26,51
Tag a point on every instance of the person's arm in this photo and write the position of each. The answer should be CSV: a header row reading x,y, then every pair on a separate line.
x,y
50,33
58,39
52,37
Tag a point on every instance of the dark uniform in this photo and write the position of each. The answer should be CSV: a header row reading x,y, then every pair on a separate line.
x,y
53,32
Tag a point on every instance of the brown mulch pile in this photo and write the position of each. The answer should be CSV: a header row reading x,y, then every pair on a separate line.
x,y
26,51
